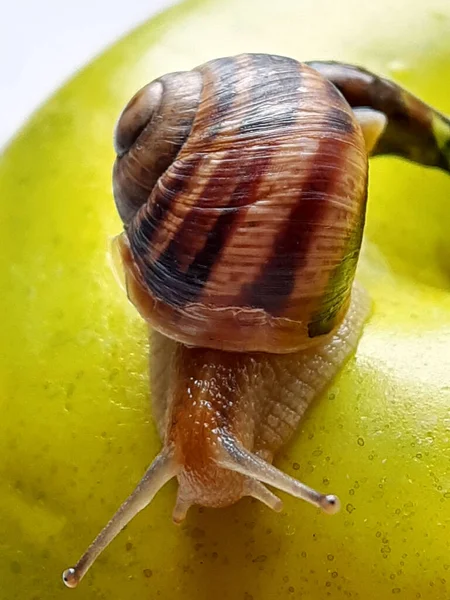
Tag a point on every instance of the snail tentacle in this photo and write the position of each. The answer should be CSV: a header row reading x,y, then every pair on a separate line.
x,y
373,123
162,469
242,461
259,491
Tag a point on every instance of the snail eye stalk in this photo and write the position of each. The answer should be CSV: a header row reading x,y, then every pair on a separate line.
x,y
162,469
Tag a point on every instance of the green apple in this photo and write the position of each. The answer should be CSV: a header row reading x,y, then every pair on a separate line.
x,y
76,429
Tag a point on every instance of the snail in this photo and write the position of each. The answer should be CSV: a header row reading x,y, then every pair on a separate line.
x,y
242,187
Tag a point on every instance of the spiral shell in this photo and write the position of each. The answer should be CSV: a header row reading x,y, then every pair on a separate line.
x,y
242,186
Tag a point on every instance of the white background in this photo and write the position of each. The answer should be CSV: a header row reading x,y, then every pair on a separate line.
x,y
42,42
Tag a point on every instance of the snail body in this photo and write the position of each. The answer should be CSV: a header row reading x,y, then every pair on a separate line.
x,y
242,187
227,414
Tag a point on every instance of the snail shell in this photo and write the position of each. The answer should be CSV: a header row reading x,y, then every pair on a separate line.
x,y
242,186
242,232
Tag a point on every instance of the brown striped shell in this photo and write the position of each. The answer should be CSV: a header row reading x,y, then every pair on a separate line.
x,y
242,186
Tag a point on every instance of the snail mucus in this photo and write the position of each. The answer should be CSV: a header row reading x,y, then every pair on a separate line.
x,y
242,186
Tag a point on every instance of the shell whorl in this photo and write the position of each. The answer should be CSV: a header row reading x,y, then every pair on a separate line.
x,y
149,134
249,238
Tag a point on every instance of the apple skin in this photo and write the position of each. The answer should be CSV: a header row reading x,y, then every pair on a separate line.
x,y
76,431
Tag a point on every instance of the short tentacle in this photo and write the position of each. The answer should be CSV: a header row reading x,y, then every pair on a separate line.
x,y
373,124
259,491
180,510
